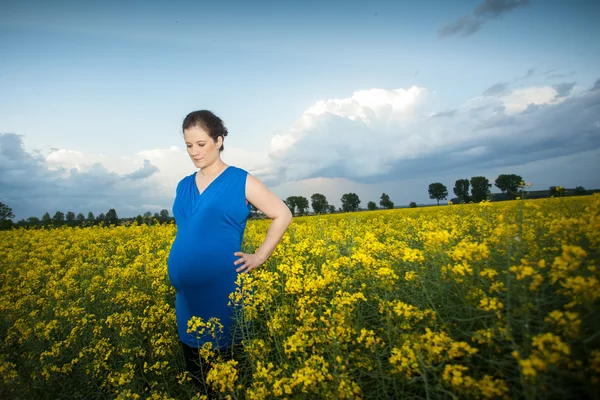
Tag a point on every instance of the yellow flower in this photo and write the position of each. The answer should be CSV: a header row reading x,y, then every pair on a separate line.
x,y
223,376
8,372
490,304
404,361
410,276
566,322
455,375
569,261
412,255
369,338
489,273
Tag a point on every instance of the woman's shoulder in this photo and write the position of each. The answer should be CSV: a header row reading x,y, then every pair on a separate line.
x,y
185,180
239,170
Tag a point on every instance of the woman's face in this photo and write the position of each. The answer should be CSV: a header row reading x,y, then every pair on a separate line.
x,y
201,148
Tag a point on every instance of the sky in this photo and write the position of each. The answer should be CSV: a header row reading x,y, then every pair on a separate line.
x,y
326,97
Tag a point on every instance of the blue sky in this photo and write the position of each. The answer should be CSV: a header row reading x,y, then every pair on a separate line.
x,y
325,97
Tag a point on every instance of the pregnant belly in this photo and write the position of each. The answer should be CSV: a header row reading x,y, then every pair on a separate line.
x,y
194,265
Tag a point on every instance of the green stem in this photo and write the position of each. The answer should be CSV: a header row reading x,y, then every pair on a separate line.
x,y
427,395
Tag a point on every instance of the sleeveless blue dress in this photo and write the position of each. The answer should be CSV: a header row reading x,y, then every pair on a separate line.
x,y
210,229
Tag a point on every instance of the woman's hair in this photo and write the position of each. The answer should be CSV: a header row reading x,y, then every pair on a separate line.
x,y
208,121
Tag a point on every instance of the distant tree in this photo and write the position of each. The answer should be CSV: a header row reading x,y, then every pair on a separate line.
x,y
139,219
101,218
156,217
579,191
70,218
6,212
510,184
385,201
331,209
147,217
480,188
90,218
319,203
350,202
371,205
438,191
301,204
46,219
461,190
111,217
58,218
80,219
412,204
33,221
6,216
297,204
557,191
164,215
7,224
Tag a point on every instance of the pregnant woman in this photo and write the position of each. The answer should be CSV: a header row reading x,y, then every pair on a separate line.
x,y
211,208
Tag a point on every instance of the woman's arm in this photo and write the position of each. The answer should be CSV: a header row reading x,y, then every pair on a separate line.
x,y
266,201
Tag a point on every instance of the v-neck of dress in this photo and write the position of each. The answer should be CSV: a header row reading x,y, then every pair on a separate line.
x,y
211,182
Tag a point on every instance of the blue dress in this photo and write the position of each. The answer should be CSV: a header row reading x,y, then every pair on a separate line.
x,y
210,229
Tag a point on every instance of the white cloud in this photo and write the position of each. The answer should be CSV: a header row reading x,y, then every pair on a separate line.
x,y
381,135
518,100
371,106
354,136
70,180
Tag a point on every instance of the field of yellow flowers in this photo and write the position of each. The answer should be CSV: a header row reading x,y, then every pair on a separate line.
x,y
489,300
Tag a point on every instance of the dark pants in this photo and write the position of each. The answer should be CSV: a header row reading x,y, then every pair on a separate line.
x,y
198,367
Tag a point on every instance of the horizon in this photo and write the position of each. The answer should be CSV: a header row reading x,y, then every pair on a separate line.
x,y
361,207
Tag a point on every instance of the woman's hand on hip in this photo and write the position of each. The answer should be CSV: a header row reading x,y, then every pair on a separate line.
x,y
250,261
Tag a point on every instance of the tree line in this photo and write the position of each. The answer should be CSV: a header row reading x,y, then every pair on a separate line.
x,y
474,190
511,185
299,205
70,219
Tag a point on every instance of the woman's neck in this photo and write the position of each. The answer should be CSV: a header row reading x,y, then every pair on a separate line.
x,y
213,169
